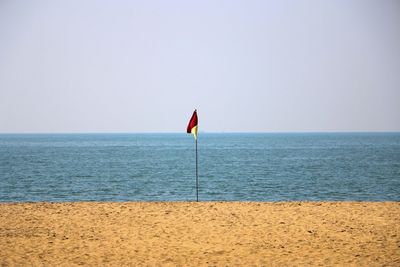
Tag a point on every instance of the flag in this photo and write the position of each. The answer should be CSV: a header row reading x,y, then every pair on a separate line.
x,y
192,126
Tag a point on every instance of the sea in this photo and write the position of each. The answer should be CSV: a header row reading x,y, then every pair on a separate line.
x,y
231,167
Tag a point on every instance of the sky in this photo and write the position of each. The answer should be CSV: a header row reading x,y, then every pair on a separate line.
x,y
247,66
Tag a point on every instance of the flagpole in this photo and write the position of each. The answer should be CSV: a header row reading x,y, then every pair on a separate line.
x,y
197,177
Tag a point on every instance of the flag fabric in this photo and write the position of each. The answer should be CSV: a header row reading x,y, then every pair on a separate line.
x,y
192,126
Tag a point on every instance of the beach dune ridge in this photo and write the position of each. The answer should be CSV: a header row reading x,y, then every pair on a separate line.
x,y
200,234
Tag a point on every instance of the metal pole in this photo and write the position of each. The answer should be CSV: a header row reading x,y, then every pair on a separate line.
x,y
197,177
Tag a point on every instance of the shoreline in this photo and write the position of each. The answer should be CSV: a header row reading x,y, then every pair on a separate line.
x,y
220,233
201,202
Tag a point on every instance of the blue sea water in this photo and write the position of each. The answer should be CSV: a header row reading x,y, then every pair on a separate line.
x,y
236,167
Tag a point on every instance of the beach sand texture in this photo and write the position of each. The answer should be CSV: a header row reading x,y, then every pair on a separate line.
x,y
200,234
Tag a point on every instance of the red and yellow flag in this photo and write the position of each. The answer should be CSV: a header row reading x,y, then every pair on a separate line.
x,y
192,126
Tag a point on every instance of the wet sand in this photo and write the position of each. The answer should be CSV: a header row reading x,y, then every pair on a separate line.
x,y
200,234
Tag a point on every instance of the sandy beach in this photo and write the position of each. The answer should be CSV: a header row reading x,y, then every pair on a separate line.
x,y
200,234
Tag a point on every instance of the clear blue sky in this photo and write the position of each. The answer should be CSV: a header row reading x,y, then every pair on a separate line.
x,y
144,66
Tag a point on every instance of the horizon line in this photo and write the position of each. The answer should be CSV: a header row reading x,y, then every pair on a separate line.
x,y
201,132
